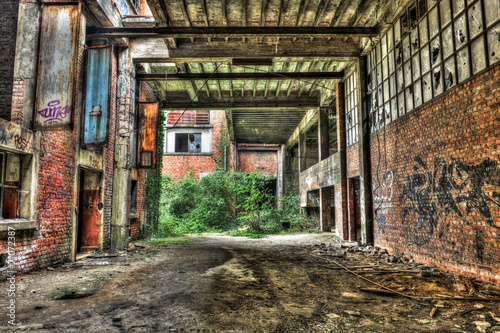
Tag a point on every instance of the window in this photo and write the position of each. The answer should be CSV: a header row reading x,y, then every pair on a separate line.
x,y
188,143
351,111
189,132
432,47
10,179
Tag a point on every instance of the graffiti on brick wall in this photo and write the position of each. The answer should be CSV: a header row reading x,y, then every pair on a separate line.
x,y
382,195
52,191
430,195
54,112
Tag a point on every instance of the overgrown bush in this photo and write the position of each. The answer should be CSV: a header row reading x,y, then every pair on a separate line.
x,y
223,201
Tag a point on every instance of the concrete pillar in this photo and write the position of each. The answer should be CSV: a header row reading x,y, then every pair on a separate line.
x,y
341,141
280,181
121,182
365,179
325,212
323,135
302,152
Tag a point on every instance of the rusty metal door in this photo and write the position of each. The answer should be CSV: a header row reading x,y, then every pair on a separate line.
x,y
97,94
56,81
147,130
88,225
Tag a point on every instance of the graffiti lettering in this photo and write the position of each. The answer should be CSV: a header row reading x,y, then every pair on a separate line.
x,y
3,136
53,192
54,112
24,144
381,221
429,197
382,192
95,164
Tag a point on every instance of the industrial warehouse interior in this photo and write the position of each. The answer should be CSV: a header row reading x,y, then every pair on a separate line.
x,y
250,165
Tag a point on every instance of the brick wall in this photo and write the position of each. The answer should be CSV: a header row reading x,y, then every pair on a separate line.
x,y
177,166
436,182
8,27
252,160
108,155
352,155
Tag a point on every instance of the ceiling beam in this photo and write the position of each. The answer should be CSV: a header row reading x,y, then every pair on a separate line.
x,y
231,32
215,103
241,76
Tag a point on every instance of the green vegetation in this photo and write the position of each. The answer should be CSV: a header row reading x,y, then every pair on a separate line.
x,y
224,201
154,182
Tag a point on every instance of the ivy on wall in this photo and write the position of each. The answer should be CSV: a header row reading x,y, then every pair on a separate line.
x,y
153,182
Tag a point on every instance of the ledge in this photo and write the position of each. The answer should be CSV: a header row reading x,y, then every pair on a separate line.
x,y
187,154
17,225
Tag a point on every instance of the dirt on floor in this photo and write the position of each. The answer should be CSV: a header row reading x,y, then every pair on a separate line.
x,y
286,283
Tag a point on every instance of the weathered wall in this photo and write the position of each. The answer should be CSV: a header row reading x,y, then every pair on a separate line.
x,y
436,181
8,37
352,155
177,166
265,162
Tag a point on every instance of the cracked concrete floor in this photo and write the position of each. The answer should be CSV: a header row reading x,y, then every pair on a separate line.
x,y
284,283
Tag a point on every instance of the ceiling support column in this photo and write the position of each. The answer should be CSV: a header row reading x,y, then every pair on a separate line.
x,y
365,183
302,152
342,212
325,213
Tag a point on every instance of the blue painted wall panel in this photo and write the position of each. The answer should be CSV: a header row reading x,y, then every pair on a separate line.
x,y
97,96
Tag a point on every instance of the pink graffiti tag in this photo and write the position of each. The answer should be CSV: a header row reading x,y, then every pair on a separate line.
x,y
54,112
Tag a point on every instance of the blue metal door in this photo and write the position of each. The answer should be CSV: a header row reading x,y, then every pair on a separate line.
x,y
97,96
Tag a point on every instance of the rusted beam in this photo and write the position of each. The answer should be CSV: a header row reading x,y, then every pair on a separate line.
x,y
231,32
241,76
213,104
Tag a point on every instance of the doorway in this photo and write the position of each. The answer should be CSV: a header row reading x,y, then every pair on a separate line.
x,y
88,211
354,209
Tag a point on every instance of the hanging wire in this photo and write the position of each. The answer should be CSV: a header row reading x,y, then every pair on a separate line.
x,y
196,95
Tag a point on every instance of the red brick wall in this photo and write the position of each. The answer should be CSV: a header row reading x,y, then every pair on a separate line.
x,y
437,180
108,155
177,166
352,155
252,160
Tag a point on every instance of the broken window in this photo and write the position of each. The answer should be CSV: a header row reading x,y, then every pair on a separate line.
x,y
475,20
437,81
416,66
10,183
188,142
351,101
407,73
427,87
478,55
447,38
449,73
417,94
460,29
463,64
406,48
459,6
401,104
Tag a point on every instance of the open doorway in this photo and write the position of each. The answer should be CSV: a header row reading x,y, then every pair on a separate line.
x,y
354,209
88,211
